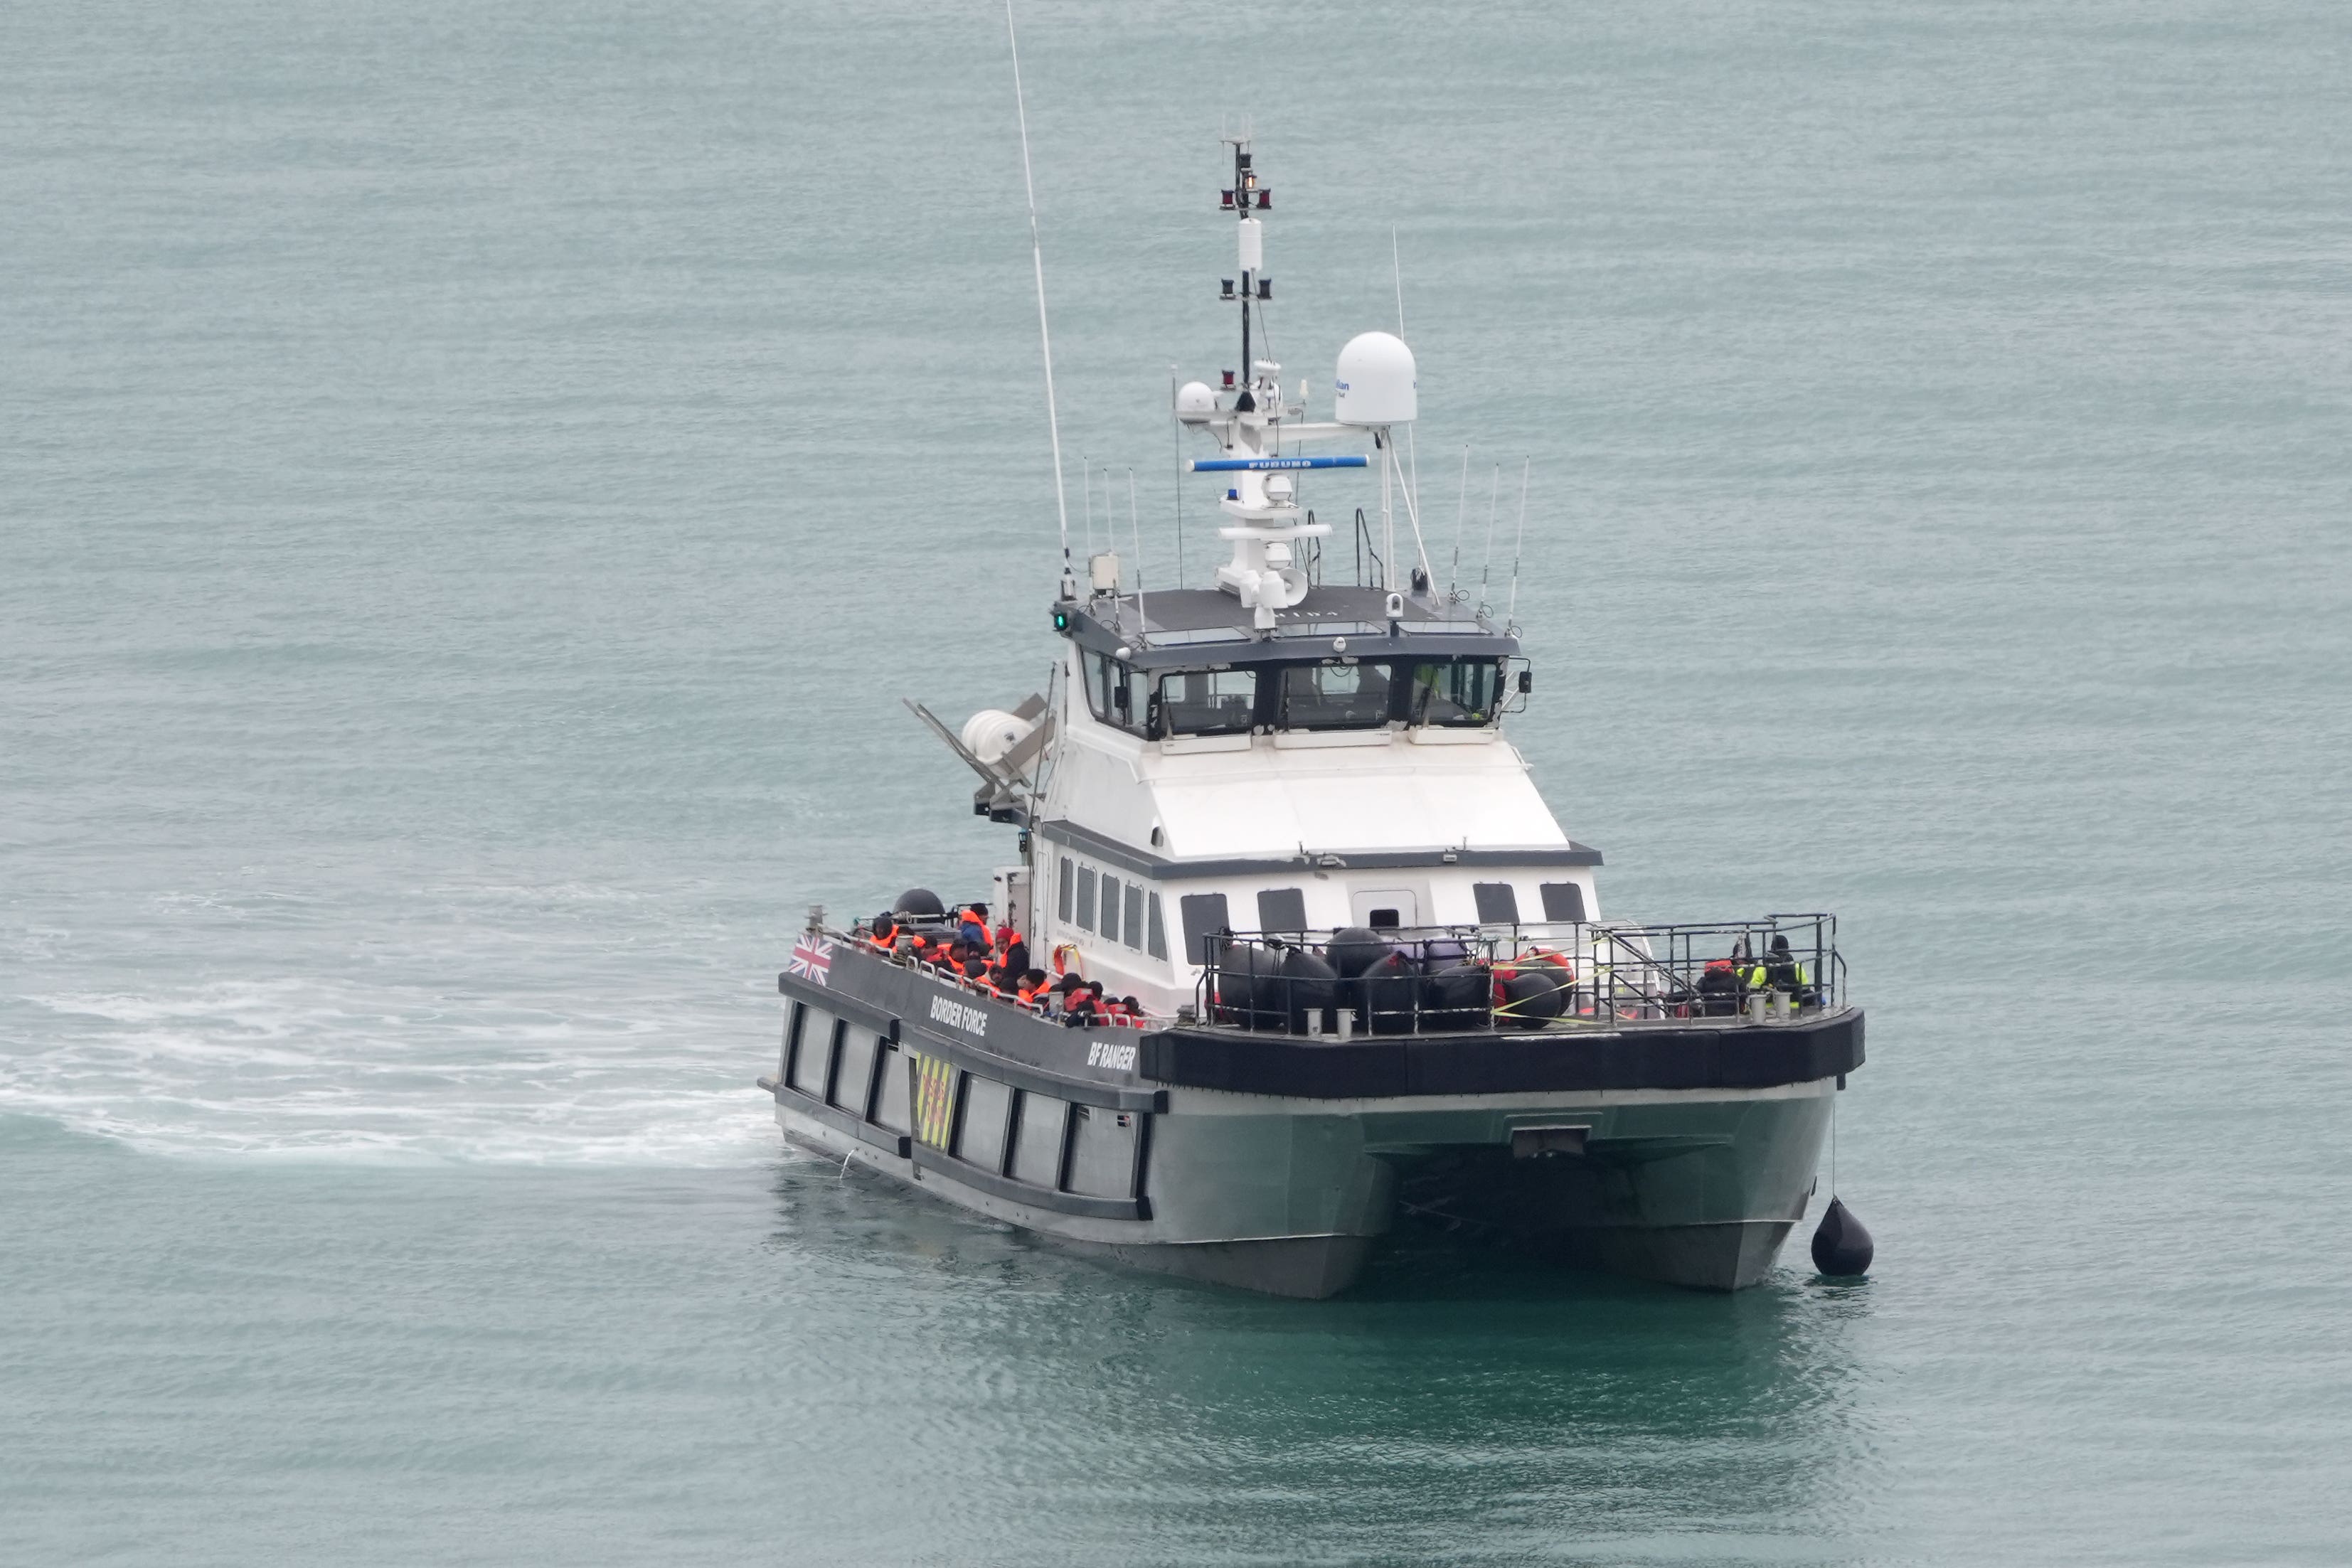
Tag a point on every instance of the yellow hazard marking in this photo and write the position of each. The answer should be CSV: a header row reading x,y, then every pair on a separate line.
x,y
934,1099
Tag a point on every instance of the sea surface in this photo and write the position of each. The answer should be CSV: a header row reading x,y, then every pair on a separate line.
x,y
476,482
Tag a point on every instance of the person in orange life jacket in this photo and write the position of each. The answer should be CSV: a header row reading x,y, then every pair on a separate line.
x,y
971,925
1016,955
884,932
1134,1010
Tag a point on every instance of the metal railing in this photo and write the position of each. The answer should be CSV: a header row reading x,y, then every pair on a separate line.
x,y
1564,975
932,959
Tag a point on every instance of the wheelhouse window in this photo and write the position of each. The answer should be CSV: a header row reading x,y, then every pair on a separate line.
x,y
1458,693
1112,693
1206,701
1338,693
1111,905
1086,898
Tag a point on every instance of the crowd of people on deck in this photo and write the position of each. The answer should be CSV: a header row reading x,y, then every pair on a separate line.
x,y
961,945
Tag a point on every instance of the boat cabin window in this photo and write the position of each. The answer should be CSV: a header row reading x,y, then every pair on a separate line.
x,y
1115,908
1281,909
1384,920
1563,901
1460,693
1113,694
1206,701
1338,693
1498,902
1205,918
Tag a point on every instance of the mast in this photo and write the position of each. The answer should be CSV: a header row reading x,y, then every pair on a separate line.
x,y
1244,197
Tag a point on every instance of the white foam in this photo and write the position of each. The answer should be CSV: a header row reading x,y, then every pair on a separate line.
x,y
292,1068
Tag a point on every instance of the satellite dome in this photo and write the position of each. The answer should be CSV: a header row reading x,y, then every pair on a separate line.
x,y
1195,403
1377,382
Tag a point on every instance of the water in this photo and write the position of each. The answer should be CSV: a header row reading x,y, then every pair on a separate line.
x,y
475,483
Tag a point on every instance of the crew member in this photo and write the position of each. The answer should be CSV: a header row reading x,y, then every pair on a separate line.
x,y
1783,973
1718,989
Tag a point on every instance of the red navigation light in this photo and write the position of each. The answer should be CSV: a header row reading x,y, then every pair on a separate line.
x,y
1265,200
1229,378
1228,203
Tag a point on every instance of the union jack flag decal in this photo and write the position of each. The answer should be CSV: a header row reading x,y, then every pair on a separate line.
x,y
811,959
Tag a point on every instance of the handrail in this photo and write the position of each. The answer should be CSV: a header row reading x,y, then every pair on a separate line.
x,y
901,953
1523,975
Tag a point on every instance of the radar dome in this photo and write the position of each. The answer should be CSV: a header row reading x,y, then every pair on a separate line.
x,y
1195,403
1377,382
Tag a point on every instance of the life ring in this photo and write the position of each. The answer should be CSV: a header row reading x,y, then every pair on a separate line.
x,y
1065,957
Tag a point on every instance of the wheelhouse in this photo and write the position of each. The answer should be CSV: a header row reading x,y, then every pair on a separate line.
x,y
1186,665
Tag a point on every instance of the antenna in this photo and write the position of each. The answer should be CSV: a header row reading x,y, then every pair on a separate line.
x,y
1045,338
1087,497
1412,451
1142,626
1493,488
1396,270
1461,517
1176,427
1511,615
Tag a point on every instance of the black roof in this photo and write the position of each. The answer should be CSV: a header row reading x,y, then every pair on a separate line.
x,y
1185,628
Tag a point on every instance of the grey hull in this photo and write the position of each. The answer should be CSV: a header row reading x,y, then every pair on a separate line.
x,y
1277,1163
1727,1257
1690,1188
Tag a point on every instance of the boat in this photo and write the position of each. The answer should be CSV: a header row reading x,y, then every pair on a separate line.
x,y
1315,957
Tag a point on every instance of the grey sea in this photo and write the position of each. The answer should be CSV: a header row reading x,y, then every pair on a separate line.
x,y
475,481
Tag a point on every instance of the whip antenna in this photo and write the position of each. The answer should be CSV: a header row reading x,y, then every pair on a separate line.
x,y
1511,615
1045,338
1134,525
1461,512
1177,426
